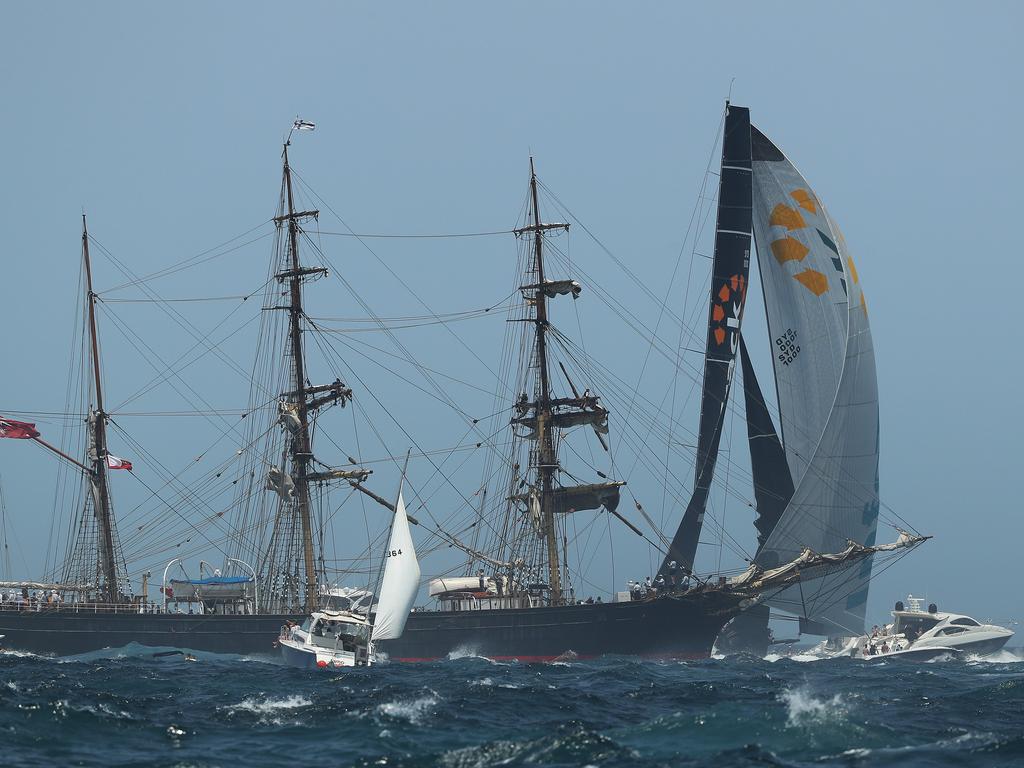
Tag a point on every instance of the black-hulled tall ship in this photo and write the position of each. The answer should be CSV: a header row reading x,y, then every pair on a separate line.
x,y
814,478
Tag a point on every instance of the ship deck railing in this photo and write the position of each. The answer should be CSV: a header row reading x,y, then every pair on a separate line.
x,y
465,601
149,609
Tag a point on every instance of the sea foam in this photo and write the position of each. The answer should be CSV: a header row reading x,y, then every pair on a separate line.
x,y
411,711
264,706
804,709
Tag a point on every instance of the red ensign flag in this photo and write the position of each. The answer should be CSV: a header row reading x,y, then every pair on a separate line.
x,y
19,430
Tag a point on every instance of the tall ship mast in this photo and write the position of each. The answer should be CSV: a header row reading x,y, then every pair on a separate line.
x,y
94,568
292,578
545,417
526,608
281,497
110,560
276,576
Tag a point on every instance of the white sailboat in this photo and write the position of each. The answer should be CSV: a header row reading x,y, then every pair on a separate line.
x,y
345,638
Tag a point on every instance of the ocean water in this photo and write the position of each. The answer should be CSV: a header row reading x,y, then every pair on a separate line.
x,y
127,708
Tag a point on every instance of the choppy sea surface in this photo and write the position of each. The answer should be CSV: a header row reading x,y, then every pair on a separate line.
x,y
127,708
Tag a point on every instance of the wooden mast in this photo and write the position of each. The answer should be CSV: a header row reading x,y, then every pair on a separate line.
x,y
546,460
99,435
300,448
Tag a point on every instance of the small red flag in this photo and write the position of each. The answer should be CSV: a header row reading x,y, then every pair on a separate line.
x,y
115,463
19,430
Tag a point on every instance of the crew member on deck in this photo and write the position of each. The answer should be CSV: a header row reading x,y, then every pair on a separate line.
x,y
673,573
659,584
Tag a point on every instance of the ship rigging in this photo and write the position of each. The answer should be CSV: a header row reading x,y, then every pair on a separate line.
x,y
523,538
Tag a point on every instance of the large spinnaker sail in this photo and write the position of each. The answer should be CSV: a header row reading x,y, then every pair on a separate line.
x,y
728,293
827,390
401,579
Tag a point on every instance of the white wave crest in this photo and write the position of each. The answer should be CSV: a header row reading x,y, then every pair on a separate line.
x,y
803,708
21,654
771,658
465,652
270,705
411,711
999,657
61,707
489,682
970,742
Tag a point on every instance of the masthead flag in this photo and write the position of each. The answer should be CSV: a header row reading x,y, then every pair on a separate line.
x,y
19,430
304,125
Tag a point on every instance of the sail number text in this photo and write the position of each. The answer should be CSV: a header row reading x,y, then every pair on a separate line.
x,y
786,347
393,553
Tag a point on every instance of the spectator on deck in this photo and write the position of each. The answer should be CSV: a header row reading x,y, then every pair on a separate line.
x,y
673,573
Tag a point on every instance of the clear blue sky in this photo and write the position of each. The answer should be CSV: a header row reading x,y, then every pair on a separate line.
x,y
164,122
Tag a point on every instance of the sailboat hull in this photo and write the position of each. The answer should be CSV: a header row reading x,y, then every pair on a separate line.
x,y
671,627
67,632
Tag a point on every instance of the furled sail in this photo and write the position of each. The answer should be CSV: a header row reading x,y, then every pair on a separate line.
x,y
728,292
577,498
827,391
555,288
401,579
597,418
281,483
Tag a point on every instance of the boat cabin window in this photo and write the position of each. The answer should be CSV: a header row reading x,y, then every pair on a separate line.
x,y
952,630
914,626
305,625
337,603
965,622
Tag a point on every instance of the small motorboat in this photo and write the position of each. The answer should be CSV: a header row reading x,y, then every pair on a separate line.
x,y
925,634
333,637
327,639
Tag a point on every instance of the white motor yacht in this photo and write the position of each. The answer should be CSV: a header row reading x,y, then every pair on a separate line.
x,y
915,632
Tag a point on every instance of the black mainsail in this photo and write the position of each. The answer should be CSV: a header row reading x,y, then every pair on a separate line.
x,y
773,485
728,293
